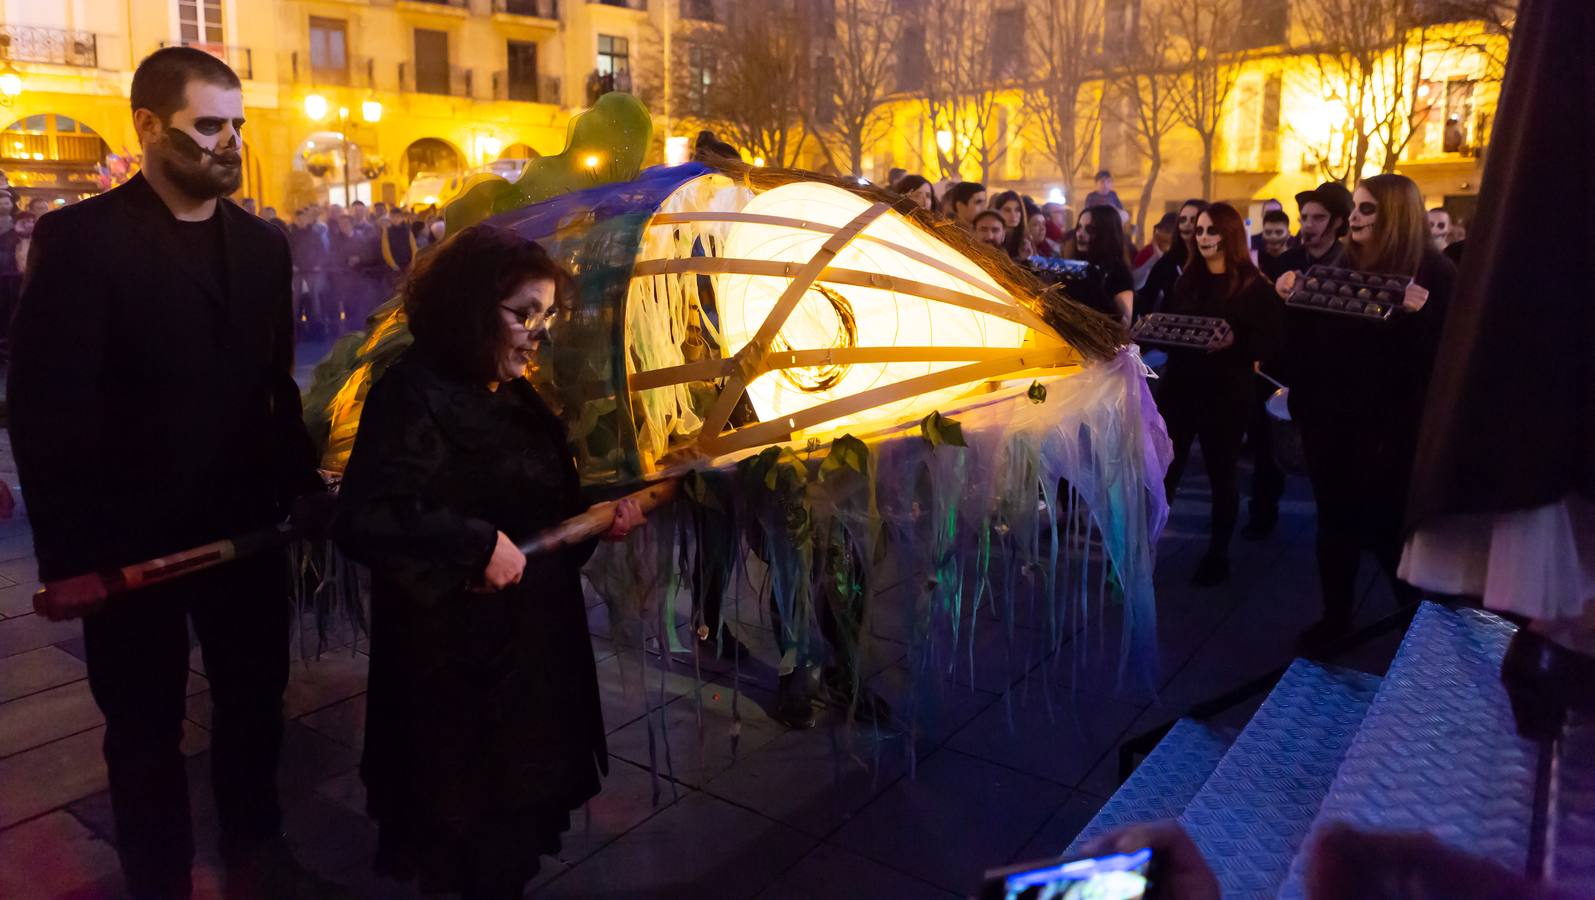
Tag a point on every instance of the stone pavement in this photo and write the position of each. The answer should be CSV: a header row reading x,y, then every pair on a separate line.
x,y
1018,761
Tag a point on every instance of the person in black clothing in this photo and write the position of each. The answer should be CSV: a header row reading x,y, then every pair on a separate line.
x,y
1268,479
153,409
1108,286
1323,214
1271,259
1166,270
483,726
1208,394
1357,391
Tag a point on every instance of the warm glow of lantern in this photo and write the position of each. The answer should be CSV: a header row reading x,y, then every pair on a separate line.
x,y
316,107
832,315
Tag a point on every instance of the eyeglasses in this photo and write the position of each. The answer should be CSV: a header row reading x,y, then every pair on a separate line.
x,y
530,320
1368,207
1205,230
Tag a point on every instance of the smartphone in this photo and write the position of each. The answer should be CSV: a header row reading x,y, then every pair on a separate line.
x,y
1112,876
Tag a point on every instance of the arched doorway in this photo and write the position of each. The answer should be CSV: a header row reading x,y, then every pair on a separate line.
x,y
519,151
53,156
431,156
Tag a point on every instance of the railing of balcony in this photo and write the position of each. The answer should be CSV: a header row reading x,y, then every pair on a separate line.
x,y
459,82
628,4
545,89
241,59
56,46
541,9
458,4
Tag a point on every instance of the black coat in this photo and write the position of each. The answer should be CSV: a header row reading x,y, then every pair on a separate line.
x,y
1222,384
1511,414
483,717
151,408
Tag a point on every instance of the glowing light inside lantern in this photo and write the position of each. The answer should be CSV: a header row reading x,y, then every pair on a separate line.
x,y
880,317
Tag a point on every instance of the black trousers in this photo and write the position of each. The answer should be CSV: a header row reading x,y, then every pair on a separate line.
x,y
1219,422
1268,479
138,671
1359,484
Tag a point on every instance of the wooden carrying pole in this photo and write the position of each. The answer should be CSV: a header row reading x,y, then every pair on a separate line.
x,y
574,530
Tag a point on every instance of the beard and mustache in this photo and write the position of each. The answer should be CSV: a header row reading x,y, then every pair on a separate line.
x,y
199,171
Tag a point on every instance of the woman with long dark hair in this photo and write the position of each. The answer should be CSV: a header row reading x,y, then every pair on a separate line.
x,y
1357,391
918,189
483,728
1207,394
1108,286
1167,269
1011,206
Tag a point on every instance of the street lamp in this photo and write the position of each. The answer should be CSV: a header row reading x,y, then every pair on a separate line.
x,y
316,107
10,84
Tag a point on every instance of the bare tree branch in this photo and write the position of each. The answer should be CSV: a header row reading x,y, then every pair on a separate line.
x,y
1204,50
1147,85
1065,40
853,80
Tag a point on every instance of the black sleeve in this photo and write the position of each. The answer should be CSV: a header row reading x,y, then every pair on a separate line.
x,y
1264,325
297,460
1419,333
55,399
1118,280
386,517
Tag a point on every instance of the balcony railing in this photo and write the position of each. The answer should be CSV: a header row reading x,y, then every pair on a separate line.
x,y
458,4
543,90
241,59
540,9
459,84
56,46
627,4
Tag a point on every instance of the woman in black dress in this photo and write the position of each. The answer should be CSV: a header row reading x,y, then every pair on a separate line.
x,y
1207,394
1108,286
483,729
1357,391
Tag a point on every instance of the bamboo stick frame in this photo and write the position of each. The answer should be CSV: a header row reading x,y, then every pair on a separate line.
x,y
756,357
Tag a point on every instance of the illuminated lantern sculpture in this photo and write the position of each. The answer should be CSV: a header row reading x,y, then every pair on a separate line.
x,y
847,383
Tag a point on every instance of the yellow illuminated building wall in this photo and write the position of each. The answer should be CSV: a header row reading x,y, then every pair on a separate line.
x,y
426,90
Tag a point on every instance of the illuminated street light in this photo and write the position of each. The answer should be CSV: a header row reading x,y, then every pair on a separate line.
x,y
315,107
371,111
10,84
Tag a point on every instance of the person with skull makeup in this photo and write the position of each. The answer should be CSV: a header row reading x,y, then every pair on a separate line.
x,y
153,409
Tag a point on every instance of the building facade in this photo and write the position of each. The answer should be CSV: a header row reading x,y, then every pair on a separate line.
x,y
388,95
396,100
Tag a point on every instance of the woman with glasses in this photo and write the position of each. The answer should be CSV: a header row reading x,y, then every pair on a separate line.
x,y
1357,390
1207,394
483,728
1108,287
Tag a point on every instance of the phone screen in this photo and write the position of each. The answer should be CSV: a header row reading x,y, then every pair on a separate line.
x,y
1116,876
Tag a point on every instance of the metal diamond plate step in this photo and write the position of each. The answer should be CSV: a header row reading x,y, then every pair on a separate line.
x,y
1164,782
1438,751
1252,813
1572,833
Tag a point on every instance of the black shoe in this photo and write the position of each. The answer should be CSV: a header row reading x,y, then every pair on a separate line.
x,y
1332,627
727,647
792,705
1259,527
1212,571
1545,680
269,871
860,703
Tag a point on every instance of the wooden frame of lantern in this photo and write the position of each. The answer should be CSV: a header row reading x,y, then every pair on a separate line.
x,y
758,356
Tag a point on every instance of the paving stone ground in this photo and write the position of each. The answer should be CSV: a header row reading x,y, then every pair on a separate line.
x,y
1021,755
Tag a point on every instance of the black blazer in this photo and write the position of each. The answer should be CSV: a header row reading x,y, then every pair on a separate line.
x,y
151,408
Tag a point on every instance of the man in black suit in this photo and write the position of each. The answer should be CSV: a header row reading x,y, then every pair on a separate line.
x,y
153,409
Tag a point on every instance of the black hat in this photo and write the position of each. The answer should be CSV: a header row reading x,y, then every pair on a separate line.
x,y
1103,174
1332,195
